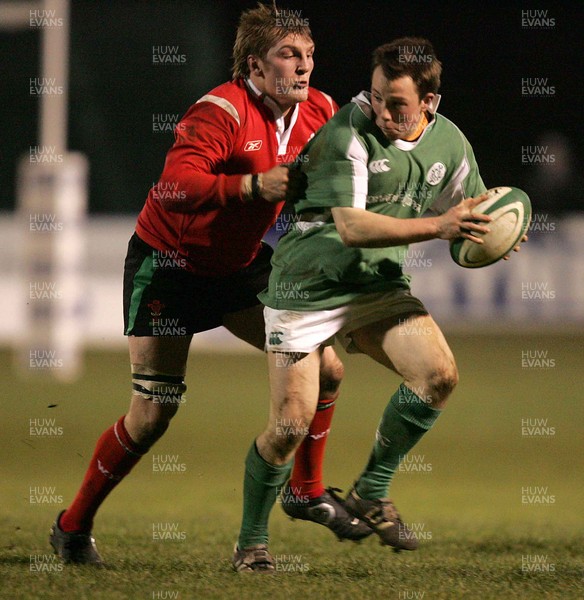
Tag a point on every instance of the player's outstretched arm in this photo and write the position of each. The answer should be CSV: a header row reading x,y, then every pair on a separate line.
x,y
363,229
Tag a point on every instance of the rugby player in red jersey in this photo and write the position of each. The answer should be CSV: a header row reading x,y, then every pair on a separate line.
x,y
196,261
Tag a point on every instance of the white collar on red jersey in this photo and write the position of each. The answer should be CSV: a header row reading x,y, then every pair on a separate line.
x,y
282,134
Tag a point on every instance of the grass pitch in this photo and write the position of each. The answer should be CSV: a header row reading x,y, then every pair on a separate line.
x,y
494,490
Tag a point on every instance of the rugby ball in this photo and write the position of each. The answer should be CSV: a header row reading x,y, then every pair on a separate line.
x,y
510,209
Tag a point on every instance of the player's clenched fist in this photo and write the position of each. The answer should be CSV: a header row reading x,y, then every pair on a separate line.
x,y
271,185
460,221
274,184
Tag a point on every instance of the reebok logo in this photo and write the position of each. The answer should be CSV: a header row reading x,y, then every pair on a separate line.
x,y
252,145
379,166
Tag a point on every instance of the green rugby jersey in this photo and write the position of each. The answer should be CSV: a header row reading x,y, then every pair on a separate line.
x,y
349,162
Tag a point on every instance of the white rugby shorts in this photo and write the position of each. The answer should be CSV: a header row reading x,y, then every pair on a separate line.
x,y
304,331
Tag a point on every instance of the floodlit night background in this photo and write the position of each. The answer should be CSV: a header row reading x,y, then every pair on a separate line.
x,y
486,53
513,82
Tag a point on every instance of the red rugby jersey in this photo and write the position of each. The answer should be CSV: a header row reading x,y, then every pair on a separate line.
x,y
196,208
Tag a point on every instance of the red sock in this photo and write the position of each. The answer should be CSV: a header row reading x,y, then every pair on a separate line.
x,y
306,479
115,455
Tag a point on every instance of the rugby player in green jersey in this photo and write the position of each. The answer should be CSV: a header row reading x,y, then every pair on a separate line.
x,y
382,162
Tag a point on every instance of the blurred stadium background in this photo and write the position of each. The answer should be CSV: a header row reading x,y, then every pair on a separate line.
x,y
512,82
135,67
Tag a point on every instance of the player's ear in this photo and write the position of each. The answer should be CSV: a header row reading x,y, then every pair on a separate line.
x,y
428,101
254,65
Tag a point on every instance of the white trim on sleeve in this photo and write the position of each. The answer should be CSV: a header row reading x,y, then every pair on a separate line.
x,y
330,101
222,103
454,192
360,178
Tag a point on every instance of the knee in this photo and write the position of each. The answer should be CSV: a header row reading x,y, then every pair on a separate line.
x,y
159,419
155,402
285,437
284,446
442,381
150,423
331,374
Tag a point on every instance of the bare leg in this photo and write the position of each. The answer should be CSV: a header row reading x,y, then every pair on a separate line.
x,y
146,421
294,384
121,446
416,350
307,474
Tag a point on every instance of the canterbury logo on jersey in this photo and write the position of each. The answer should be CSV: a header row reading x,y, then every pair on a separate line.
x,y
275,338
379,166
252,145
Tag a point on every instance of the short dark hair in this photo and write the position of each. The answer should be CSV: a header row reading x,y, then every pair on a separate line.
x,y
411,56
261,28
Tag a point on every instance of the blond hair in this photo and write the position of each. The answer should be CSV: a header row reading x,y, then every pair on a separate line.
x,y
261,28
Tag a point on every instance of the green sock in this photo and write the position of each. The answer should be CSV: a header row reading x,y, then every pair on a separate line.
x,y
405,420
260,489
